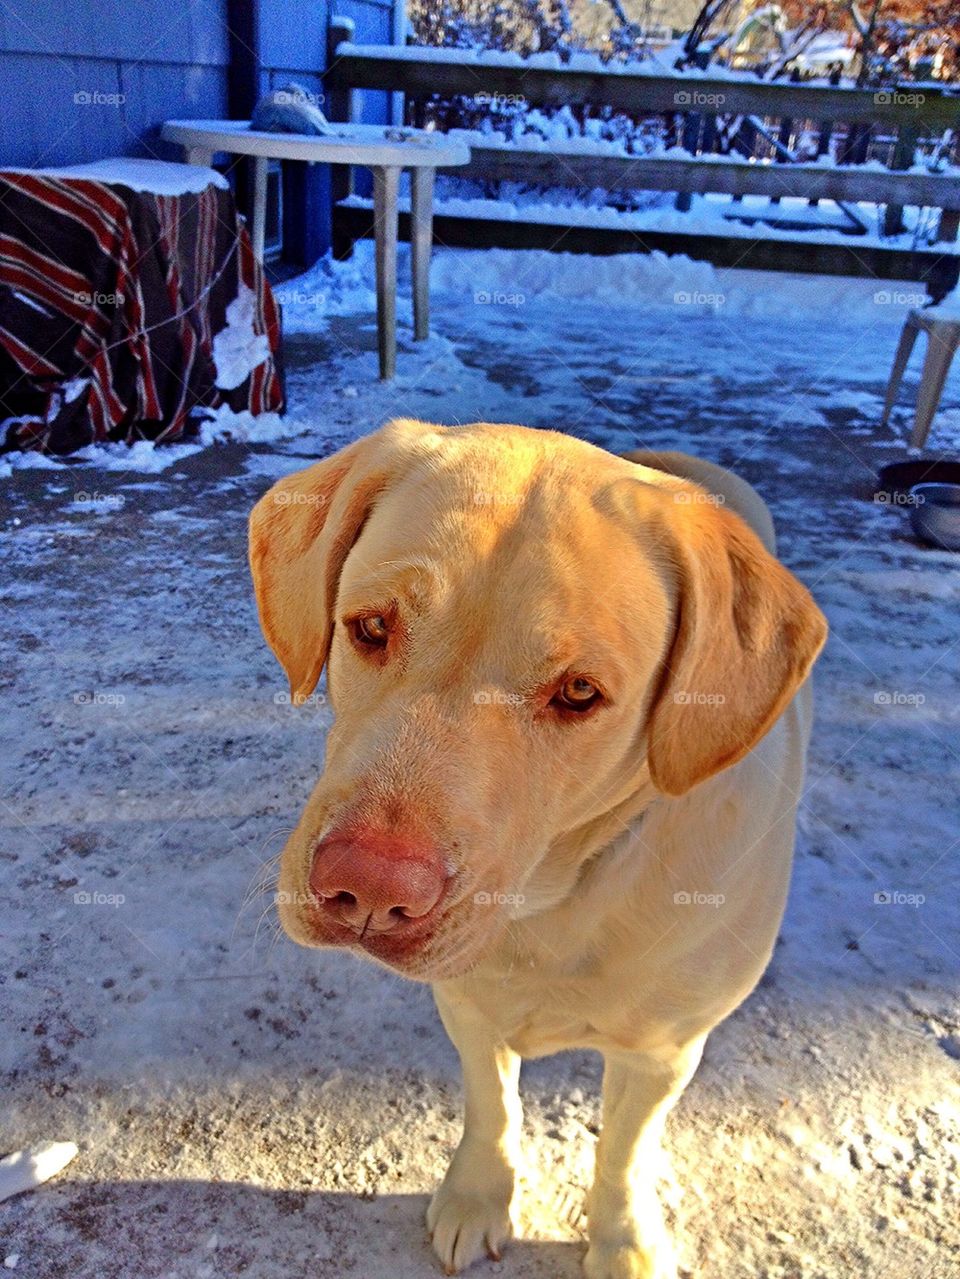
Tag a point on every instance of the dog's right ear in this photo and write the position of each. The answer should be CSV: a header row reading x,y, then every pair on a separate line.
x,y
301,532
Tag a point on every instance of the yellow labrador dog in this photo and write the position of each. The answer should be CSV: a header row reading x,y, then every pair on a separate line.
x,y
569,737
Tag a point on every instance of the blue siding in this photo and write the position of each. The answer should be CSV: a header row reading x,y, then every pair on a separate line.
x,y
95,77
87,79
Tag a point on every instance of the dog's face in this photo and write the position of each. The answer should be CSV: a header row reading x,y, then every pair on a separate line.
x,y
521,632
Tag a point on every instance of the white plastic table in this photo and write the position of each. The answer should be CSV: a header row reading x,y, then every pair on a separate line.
x,y
383,150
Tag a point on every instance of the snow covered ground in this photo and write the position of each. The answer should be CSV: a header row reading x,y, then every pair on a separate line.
x,y
245,1108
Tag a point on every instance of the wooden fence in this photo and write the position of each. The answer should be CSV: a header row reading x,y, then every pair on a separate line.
x,y
906,116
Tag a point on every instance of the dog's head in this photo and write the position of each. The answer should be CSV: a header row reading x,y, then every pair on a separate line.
x,y
521,632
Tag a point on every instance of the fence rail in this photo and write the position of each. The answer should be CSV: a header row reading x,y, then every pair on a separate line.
x,y
907,115
924,106
556,167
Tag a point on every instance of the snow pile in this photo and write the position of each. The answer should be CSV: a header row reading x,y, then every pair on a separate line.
x,y
329,288
238,348
657,279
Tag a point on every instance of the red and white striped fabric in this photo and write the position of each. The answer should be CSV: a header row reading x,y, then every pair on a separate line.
x,y
110,299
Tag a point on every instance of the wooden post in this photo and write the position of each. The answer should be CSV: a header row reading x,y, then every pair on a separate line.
x,y
949,225
907,135
689,139
340,30
243,79
338,105
783,137
386,183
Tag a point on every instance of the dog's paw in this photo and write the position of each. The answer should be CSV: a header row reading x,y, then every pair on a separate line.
x,y
470,1218
625,1258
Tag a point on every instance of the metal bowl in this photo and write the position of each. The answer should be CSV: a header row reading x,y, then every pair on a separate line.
x,y
896,479
935,514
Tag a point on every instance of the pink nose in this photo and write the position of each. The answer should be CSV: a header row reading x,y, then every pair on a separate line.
x,y
375,882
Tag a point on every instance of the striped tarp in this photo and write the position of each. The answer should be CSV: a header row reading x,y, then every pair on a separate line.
x,y
109,302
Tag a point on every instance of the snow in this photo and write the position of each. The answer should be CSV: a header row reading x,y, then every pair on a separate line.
x,y
537,142
707,215
158,177
244,1107
659,64
28,1169
238,348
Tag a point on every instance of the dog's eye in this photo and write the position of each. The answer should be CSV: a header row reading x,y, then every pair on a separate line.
x,y
372,631
576,694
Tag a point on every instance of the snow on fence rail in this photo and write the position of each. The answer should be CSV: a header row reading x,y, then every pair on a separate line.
x,y
725,175
642,90
635,87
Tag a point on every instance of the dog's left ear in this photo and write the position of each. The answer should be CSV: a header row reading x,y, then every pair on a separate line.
x,y
747,634
301,532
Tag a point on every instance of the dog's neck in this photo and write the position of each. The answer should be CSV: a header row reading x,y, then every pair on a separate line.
x,y
578,856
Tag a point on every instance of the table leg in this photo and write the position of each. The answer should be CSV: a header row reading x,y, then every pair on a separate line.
x,y
198,155
259,204
421,239
386,182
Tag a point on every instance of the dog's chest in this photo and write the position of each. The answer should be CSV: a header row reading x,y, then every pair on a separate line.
x,y
573,1005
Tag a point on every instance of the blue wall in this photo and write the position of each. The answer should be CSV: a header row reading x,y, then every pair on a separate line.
x,y
85,79
136,63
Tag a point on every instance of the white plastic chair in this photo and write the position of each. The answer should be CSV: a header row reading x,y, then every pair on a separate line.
x,y
942,327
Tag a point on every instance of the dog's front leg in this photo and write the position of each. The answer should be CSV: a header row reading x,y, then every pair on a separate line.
x,y
628,1236
471,1212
